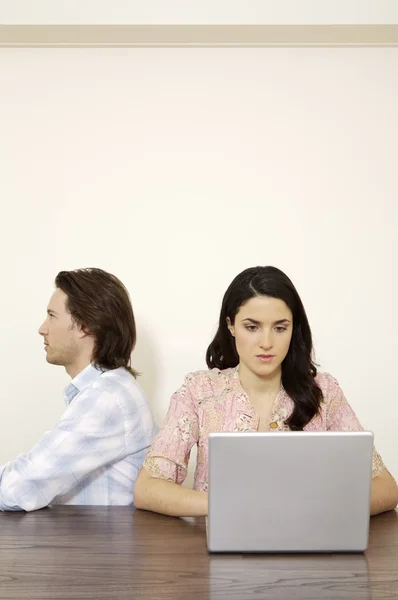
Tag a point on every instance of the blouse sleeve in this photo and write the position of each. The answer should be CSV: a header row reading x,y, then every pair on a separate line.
x,y
341,417
169,454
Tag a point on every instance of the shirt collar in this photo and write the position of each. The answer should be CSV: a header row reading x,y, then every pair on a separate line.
x,y
82,381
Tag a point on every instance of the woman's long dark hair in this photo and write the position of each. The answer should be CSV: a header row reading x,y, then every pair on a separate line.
x,y
298,368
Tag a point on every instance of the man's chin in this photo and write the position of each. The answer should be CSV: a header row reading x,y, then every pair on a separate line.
x,y
52,360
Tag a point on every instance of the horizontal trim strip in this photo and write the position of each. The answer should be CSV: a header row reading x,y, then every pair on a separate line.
x,y
197,35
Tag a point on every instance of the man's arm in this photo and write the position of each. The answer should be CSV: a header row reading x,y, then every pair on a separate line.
x,y
90,435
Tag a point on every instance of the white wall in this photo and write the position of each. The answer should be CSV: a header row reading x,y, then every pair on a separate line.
x,y
194,12
175,169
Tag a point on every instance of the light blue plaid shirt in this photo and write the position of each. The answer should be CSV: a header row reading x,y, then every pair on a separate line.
x,y
93,455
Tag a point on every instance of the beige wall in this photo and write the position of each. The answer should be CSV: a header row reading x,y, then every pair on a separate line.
x,y
175,169
204,12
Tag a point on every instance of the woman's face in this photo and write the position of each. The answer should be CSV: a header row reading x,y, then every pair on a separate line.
x,y
262,330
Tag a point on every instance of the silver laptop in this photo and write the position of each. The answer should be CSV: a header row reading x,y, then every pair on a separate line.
x,y
289,491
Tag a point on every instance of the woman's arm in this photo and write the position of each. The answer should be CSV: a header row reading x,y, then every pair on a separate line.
x,y
384,493
341,417
168,498
158,487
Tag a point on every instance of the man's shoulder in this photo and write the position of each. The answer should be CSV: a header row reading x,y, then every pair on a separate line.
x,y
121,385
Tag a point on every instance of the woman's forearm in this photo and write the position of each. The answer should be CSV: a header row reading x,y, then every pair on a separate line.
x,y
384,493
167,498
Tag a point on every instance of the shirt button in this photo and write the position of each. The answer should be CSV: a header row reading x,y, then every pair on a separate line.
x,y
273,425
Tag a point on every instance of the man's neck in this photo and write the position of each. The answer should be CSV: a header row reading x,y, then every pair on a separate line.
x,y
77,367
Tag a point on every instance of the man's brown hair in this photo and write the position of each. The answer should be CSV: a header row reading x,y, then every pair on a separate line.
x,y
99,302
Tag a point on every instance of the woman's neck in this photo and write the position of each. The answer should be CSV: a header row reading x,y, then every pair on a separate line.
x,y
259,387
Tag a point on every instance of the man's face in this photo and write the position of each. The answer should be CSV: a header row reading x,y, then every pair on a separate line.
x,y
61,334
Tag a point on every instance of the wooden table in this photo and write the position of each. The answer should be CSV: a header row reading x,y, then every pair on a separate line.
x,y
106,553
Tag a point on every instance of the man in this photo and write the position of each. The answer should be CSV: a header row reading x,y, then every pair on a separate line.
x,y
93,455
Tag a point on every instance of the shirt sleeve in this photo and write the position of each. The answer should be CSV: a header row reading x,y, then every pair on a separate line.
x,y
341,417
169,454
90,434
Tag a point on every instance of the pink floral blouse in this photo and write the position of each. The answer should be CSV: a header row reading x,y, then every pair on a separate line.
x,y
214,401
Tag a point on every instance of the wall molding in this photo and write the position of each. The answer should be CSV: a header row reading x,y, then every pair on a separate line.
x,y
116,36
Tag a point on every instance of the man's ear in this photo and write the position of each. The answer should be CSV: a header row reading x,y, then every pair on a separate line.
x,y
230,327
82,330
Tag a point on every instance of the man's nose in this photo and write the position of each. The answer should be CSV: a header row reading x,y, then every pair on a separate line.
x,y
43,329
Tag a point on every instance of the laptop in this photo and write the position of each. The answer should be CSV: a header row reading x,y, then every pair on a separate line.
x,y
289,491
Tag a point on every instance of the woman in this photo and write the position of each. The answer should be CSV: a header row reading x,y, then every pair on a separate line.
x,y
261,378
